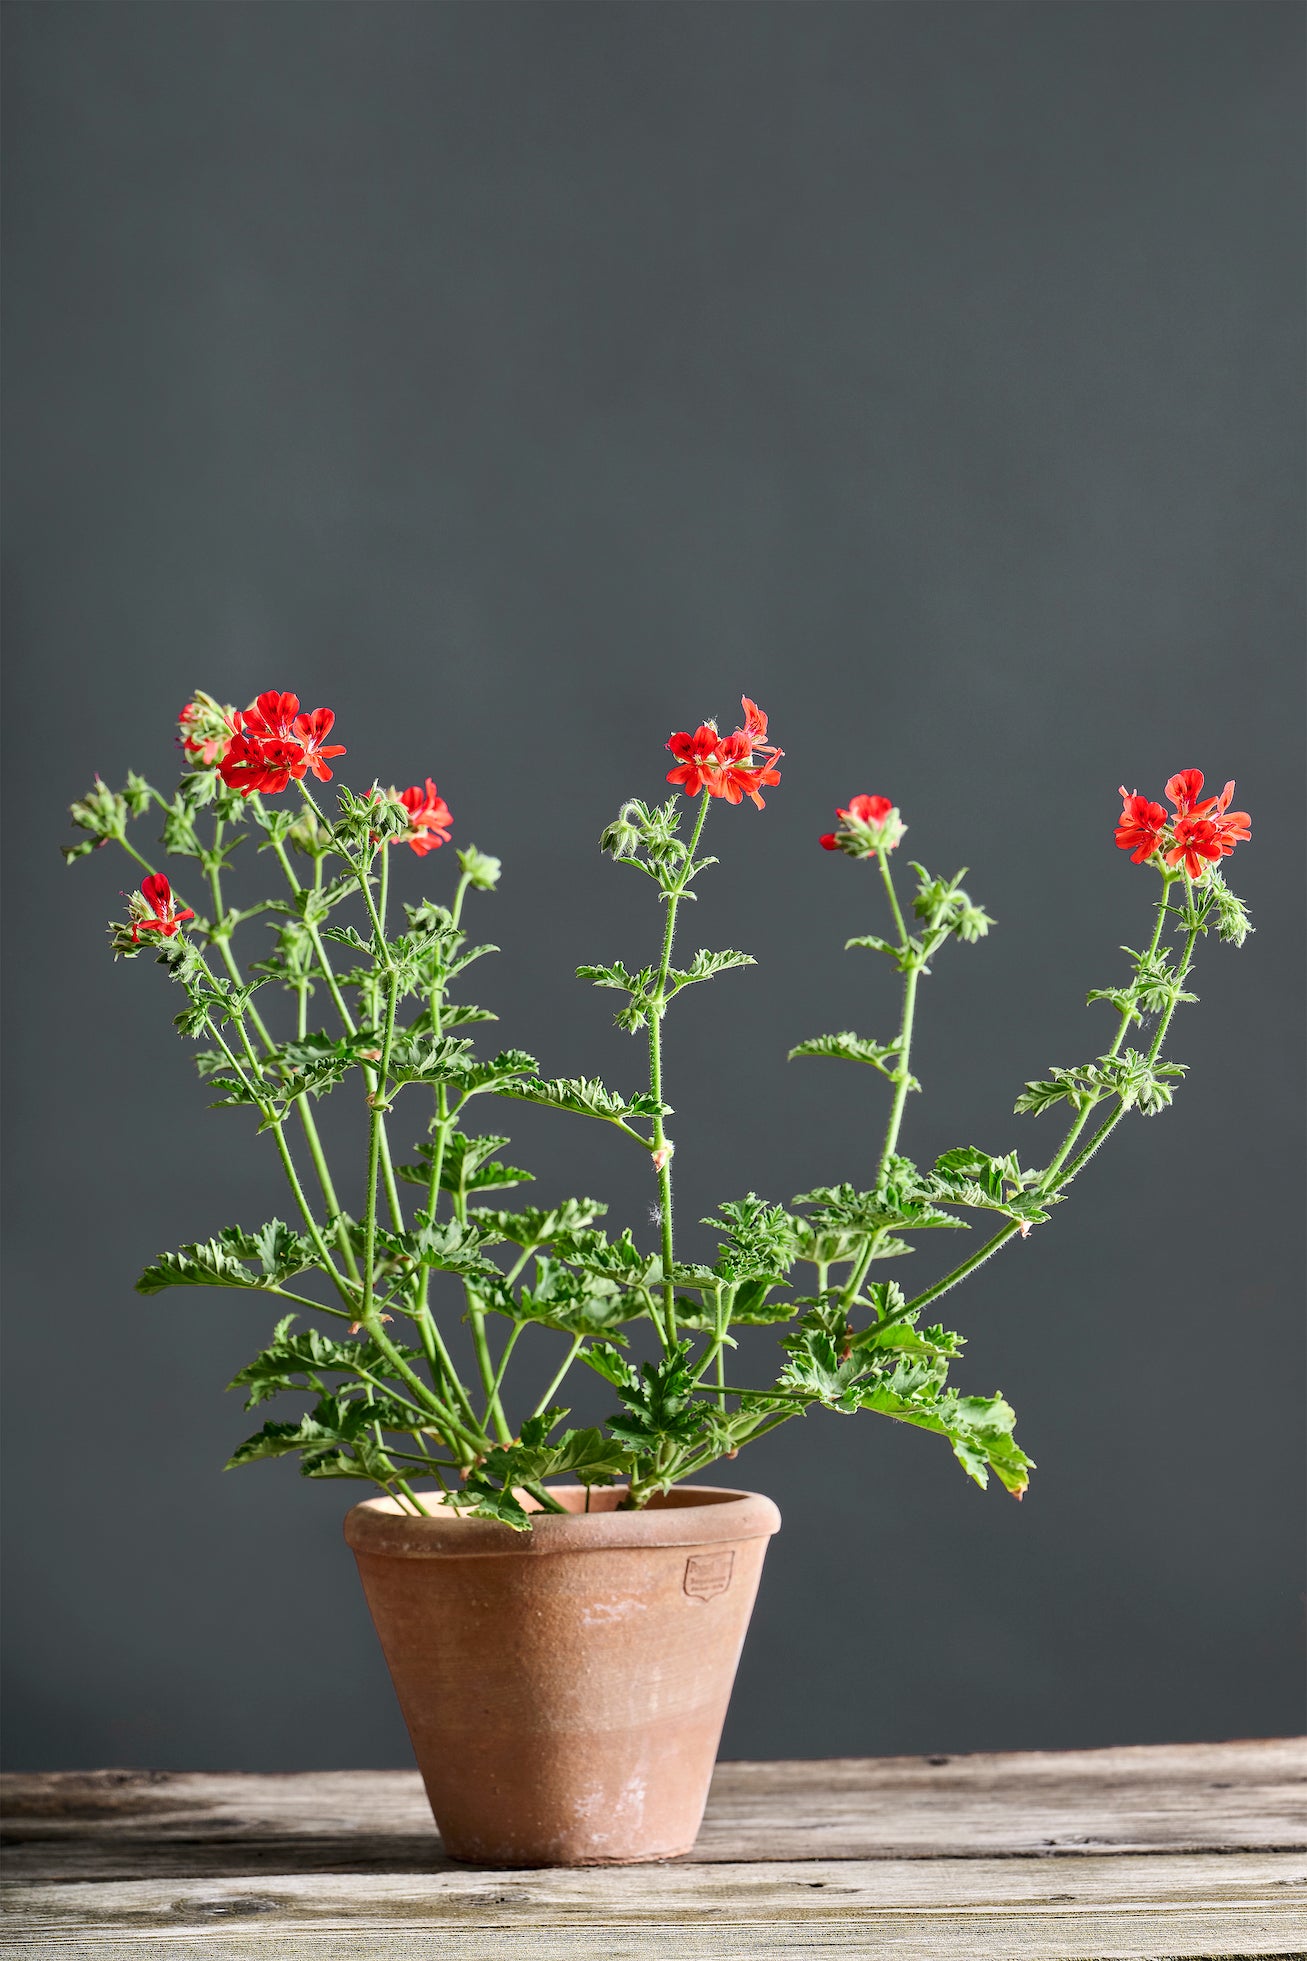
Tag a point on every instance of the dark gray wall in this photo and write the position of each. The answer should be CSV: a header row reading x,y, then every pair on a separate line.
x,y
524,382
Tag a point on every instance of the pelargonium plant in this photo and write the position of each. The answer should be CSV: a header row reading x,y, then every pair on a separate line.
x,y
388,1404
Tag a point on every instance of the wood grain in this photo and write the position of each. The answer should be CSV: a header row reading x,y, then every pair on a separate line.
x,y
1196,1797
1019,1908
1192,1850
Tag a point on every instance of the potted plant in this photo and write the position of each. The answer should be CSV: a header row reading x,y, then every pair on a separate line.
x,y
562,1608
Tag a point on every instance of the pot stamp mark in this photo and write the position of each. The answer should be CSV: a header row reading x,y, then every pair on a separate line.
x,y
708,1573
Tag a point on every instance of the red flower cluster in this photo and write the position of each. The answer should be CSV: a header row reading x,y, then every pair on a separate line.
x,y
1201,831
723,765
161,904
272,742
867,825
429,818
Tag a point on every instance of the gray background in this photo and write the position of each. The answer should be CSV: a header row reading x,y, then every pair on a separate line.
x,y
527,381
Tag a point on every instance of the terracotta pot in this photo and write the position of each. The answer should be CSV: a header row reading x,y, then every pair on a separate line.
x,y
565,1689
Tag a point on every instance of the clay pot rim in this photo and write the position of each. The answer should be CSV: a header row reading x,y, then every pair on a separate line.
x,y
690,1515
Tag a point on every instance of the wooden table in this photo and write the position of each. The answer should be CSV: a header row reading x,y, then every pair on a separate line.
x,y
1191,1850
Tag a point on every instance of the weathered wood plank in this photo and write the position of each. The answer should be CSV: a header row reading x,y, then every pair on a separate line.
x,y
1023,1909
1188,1797
805,1891
1196,1935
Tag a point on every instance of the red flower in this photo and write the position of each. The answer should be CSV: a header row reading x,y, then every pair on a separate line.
x,y
1203,830
1142,824
429,817
723,766
738,776
1196,845
159,898
1184,791
270,715
867,825
697,758
253,763
273,742
755,727
1231,826
310,731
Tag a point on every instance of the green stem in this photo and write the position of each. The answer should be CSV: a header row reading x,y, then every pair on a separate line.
x,y
477,1322
374,1156
902,1075
1064,1176
1068,1142
493,1403
301,1105
552,1390
657,1006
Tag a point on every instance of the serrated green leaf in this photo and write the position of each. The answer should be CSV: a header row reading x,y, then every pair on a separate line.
x,y
848,1047
585,1096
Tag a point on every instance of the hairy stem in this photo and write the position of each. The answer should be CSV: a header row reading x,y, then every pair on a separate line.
x,y
657,1007
902,1075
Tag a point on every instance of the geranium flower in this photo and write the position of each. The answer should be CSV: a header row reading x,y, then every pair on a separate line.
x,y
1202,831
739,778
1184,791
273,742
755,727
1231,826
162,916
867,824
429,818
1196,845
1142,824
269,715
310,732
697,760
723,766
261,763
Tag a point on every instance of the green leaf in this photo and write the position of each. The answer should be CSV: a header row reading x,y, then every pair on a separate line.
x,y
333,1421
220,1262
311,1354
609,1362
903,1201
821,1365
848,1047
659,1405
573,1303
536,1226
458,1014
945,908
615,1259
759,1241
748,1305
587,1455
972,1178
467,1165
500,1074
706,965
979,1428
586,1096
618,976
445,1245
431,1059
316,1063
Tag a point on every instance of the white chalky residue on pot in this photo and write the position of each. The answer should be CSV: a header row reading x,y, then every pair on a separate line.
x,y
601,1613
